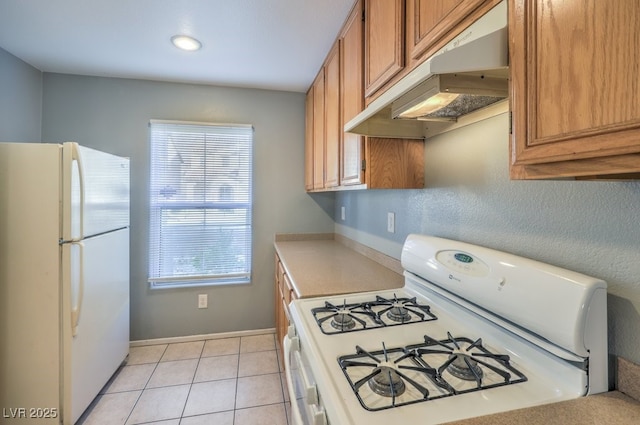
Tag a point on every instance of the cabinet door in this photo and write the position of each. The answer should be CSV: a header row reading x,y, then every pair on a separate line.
x,y
318,131
575,92
384,42
284,325
395,163
352,55
333,129
308,141
428,21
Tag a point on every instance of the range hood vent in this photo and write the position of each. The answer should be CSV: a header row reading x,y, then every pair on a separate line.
x,y
469,74
445,97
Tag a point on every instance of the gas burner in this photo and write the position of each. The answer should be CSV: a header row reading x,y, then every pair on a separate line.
x,y
386,373
345,317
400,309
401,376
398,313
386,382
469,361
464,367
343,320
373,313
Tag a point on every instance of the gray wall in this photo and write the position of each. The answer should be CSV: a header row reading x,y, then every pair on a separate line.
x,y
586,226
590,227
20,100
112,115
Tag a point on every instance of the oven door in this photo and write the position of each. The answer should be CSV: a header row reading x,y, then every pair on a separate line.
x,y
306,406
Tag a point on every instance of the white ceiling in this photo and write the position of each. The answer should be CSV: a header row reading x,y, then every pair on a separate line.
x,y
269,44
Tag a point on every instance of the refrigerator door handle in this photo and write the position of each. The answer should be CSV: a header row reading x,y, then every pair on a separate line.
x,y
75,156
73,230
76,305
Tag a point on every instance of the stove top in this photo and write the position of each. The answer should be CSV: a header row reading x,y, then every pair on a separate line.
x,y
474,331
376,312
426,371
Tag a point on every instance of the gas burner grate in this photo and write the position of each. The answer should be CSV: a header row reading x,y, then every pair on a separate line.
x,y
401,309
468,361
400,376
378,313
345,318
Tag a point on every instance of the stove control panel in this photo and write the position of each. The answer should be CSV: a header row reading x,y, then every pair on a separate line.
x,y
463,262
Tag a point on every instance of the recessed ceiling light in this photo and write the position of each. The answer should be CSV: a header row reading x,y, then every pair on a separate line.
x,y
185,42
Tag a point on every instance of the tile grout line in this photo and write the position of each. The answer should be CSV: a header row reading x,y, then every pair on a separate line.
x,y
282,384
235,397
145,386
282,387
156,364
184,408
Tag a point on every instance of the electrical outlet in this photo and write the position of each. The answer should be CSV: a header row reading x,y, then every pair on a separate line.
x,y
391,222
343,213
202,300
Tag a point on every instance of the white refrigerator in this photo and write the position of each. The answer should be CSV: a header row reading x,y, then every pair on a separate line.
x,y
64,278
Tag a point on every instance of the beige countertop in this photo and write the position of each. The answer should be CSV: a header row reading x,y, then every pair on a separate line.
x,y
620,407
612,408
327,267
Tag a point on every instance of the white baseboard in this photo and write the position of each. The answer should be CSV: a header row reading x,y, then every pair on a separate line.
x,y
191,338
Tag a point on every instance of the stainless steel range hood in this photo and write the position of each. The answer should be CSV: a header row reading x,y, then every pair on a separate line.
x,y
446,91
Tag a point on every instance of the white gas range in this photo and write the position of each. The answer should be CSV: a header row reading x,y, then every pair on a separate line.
x,y
474,331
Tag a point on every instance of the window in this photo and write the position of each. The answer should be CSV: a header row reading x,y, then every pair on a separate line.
x,y
200,203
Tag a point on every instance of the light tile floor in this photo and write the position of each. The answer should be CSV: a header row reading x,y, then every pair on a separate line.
x,y
231,381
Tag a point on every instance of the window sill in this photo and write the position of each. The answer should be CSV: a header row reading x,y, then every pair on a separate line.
x,y
199,283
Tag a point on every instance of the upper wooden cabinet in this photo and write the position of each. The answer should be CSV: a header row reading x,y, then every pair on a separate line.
x,y
323,133
429,21
318,130
401,34
384,42
333,123
338,91
394,163
352,94
575,92
308,141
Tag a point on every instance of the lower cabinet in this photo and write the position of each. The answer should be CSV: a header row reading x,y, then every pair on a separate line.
x,y
284,293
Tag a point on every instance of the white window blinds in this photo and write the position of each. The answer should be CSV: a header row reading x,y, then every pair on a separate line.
x,y
200,203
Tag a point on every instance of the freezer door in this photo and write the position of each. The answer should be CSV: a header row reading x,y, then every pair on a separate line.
x,y
96,316
95,192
